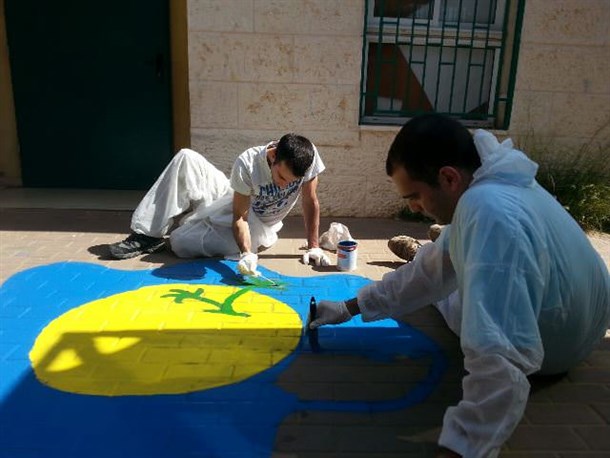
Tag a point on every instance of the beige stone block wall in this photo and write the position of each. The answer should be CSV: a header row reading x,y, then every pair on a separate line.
x,y
563,80
261,68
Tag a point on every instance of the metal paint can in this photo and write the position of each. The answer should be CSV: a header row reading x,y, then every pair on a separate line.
x,y
347,255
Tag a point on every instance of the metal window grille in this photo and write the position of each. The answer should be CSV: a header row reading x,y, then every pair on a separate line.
x,y
456,57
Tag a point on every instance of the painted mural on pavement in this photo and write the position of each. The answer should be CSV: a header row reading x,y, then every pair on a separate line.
x,y
176,361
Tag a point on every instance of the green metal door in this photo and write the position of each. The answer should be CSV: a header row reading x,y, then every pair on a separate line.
x,y
92,91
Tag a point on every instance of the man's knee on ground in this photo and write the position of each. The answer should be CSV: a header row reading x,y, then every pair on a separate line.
x,y
179,247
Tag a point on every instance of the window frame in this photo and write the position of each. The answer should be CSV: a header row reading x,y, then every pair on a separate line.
x,y
373,21
495,35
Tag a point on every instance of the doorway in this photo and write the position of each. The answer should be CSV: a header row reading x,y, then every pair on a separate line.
x,y
92,90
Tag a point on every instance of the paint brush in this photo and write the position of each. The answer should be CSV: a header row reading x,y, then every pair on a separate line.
x,y
259,280
312,334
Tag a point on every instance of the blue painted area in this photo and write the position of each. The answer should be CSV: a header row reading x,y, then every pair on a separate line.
x,y
239,420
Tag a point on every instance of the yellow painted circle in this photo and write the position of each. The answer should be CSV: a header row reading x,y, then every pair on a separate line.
x,y
165,339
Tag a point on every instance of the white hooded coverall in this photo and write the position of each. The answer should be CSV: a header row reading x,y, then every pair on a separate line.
x,y
532,294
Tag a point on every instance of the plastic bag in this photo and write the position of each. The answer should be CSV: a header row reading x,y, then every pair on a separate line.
x,y
336,233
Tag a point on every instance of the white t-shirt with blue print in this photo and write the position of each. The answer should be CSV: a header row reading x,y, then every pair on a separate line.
x,y
251,176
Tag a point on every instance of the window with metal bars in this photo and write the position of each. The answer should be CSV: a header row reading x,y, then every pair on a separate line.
x,y
456,57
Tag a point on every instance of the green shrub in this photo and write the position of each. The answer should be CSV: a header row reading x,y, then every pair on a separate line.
x,y
585,196
579,180
407,215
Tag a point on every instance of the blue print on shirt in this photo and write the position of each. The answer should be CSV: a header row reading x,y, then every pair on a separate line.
x,y
271,199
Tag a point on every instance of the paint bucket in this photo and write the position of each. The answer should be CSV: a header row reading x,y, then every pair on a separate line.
x,y
347,255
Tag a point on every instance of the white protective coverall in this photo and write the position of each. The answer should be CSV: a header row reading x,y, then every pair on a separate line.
x,y
532,294
190,183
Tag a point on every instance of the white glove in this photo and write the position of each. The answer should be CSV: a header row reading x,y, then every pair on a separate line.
x,y
330,312
318,257
247,264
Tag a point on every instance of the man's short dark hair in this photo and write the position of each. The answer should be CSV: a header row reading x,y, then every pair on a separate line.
x,y
297,152
429,142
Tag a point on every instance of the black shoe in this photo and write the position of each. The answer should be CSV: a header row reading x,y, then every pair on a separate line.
x,y
135,245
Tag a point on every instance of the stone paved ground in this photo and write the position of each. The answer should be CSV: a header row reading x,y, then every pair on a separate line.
x,y
566,418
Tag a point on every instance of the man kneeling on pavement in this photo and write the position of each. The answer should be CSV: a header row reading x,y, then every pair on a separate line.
x,y
229,217
512,273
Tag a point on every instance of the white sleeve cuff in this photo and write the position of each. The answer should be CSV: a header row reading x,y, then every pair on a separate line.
x,y
453,440
368,310
458,443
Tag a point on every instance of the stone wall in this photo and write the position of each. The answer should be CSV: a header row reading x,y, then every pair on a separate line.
x,y
562,94
260,68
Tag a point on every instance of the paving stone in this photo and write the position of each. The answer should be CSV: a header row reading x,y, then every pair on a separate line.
x,y
545,438
379,439
603,409
528,454
426,414
562,414
599,358
596,437
305,438
585,374
581,392
583,455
